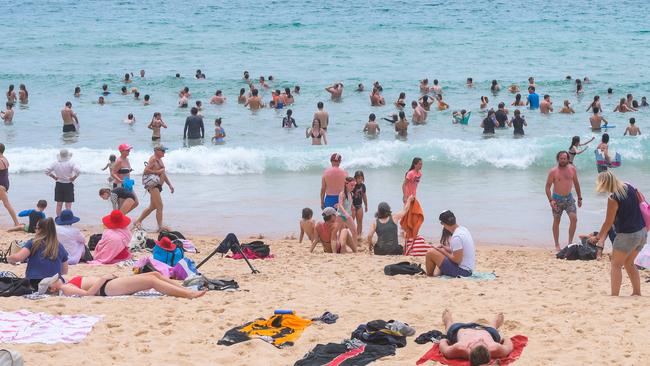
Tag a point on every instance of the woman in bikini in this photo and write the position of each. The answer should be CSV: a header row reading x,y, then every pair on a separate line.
x,y
153,178
345,220
111,285
4,185
121,170
156,124
316,133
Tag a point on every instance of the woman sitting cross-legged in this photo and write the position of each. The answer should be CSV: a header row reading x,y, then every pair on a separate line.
x,y
110,285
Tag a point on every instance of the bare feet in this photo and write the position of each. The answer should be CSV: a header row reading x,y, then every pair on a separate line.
x,y
196,294
498,321
446,318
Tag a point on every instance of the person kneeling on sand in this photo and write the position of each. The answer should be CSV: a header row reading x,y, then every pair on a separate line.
x,y
474,342
327,232
459,257
111,285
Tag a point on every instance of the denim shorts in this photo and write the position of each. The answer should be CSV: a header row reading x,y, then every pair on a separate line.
x,y
629,242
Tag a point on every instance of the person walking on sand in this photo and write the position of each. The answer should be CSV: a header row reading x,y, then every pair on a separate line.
x,y
332,183
70,120
562,179
64,172
4,186
153,178
121,170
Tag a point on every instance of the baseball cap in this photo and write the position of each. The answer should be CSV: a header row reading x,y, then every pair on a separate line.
x,y
124,147
335,157
329,211
160,148
447,217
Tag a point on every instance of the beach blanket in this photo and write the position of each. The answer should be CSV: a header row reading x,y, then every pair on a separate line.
x,y
412,220
249,254
23,326
518,341
151,293
281,330
345,354
477,276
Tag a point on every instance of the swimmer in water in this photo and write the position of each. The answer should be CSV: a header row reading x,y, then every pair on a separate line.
x,y
7,115
219,132
424,86
101,101
376,100
146,99
622,107
105,90
255,101
567,109
419,113
288,121
218,98
336,91
401,126
425,103
442,105
316,133
130,119
518,102
632,129
400,103
124,90
595,103
23,95
546,106
360,88
513,88
77,91
596,120
155,125
484,103
183,102
372,127
241,99
436,89
644,102
495,87
574,149
470,83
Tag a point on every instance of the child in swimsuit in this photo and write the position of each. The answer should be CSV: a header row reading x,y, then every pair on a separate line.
x,y
219,132
109,166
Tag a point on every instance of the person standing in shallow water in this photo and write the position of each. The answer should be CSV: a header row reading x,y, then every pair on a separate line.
x,y
559,185
70,120
4,186
412,179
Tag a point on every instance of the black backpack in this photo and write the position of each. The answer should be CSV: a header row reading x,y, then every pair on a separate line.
x,y
258,247
93,240
172,235
14,286
403,268
577,251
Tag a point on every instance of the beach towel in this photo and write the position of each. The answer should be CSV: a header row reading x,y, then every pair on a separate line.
x,y
250,254
281,330
345,354
23,326
476,276
518,341
417,247
412,220
112,247
151,293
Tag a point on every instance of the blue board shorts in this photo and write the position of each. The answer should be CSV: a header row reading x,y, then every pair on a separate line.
x,y
449,268
331,200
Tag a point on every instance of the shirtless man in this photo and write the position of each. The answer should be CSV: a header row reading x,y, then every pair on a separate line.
x,y
153,178
255,101
629,102
70,121
436,89
632,129
376,99
402,124
474,342
562,179
424,86
371,128
218,98
322,116
596,120
336,91
419,114
332,183
546,106
263,84
156,124
567,108
623,107
8,115
122,167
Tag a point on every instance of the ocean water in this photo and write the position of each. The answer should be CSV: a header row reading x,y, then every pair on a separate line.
x,y
264,175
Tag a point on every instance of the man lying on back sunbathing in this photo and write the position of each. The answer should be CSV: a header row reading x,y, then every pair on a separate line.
x,y
474,342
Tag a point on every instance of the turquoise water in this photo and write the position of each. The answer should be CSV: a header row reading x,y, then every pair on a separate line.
x,y
270,173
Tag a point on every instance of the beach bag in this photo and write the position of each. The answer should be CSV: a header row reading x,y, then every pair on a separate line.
x,y
87,256
169,257
93,240
417,247
184,269
405,268
138,240
10,358
148,264
14,286
258,248
645,209
577,251
149,243
172,235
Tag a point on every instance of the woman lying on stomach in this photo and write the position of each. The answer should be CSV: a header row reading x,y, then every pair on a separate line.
x,y
110,285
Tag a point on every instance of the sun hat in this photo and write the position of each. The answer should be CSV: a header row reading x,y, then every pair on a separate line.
x,y
329,211
45,284
66,218
335,157
166,244
64,155
116,220
124,147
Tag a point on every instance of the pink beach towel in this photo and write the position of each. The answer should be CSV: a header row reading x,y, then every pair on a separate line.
x,y
113,247
23,326
518,341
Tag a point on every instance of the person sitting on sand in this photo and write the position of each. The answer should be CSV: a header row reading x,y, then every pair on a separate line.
x,y
111,285
307,224
113,247
47,257
35,215
474,342
385,226
326,232
457,259
70,237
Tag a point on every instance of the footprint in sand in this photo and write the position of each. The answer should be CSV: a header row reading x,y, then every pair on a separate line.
x,y
141,333
164,324
112,325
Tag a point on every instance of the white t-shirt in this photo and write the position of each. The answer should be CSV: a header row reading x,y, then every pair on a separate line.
x,y
72,240
462,239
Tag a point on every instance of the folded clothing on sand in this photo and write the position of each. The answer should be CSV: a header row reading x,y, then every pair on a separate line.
x,y
345,354
434,354
23,326
281,330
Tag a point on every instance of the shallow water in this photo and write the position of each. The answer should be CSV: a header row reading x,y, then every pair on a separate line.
x,y
261,178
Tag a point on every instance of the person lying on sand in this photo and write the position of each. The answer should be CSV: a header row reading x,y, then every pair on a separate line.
x,y
474,342
110,285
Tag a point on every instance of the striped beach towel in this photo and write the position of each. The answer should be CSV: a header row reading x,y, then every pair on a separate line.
x,y
417,247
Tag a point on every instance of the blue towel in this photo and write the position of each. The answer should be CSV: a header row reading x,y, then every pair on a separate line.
x,y
477,276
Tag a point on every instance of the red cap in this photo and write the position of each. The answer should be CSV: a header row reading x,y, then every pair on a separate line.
x,y
124,147
335,157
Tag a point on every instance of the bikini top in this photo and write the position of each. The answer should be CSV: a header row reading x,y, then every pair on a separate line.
x,y
315,137
124,171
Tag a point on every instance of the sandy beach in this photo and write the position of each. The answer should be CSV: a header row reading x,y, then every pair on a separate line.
x,y
563,307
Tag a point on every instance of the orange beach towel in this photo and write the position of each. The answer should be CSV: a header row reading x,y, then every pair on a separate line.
x,y
412,220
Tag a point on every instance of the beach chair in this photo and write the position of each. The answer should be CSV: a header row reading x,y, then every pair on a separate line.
x,y
229,243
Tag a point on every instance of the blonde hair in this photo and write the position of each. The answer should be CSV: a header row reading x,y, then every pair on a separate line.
x,y
46,235
607,182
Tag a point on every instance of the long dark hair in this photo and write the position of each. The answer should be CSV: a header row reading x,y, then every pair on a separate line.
x,y
574,141
345,187
415,161
517,98
445,236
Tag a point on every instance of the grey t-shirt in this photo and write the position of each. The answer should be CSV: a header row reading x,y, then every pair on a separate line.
x,y
462,239
194,128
